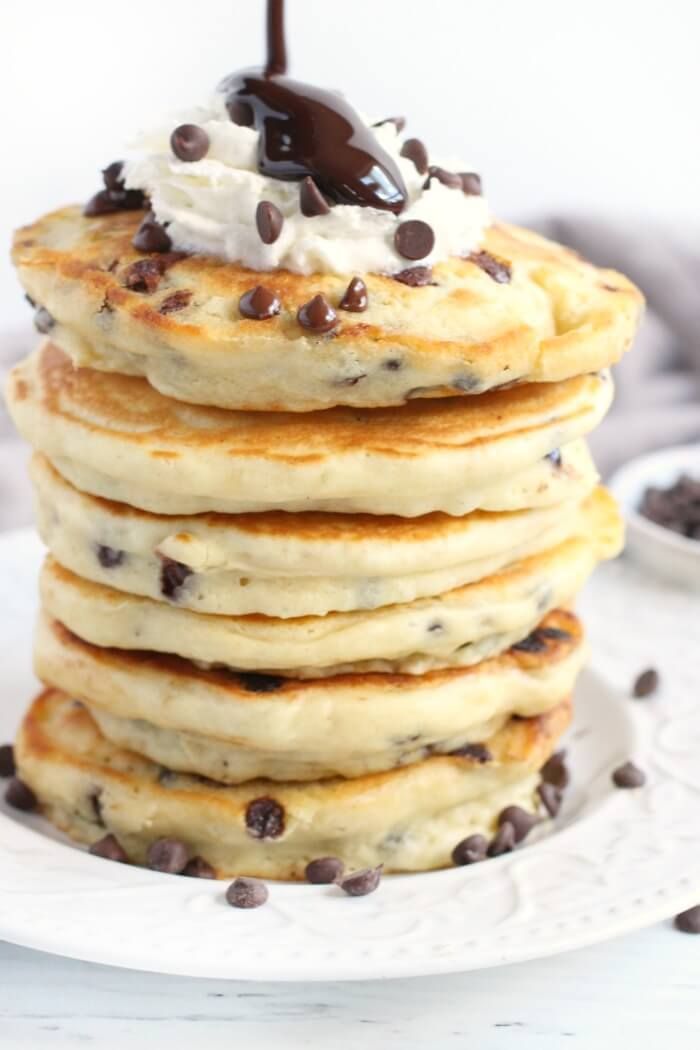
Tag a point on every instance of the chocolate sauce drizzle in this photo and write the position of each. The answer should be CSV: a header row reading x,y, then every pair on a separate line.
x,y
305,130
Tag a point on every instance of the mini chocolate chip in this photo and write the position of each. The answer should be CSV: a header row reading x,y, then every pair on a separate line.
x,y
478,752
172,576
398,122
151,236
555,771
167,855
112,175
414,239
355,298
199,868
497,270
645,684
503,841
471,183
532,644
522,821
259,304
554,457
269,221
240,112
254,682
166,777
688,921
447,178
324,870
143,275
109,557
554,634
551,796
311,200
106,202
43,321
110,848
189,142
175,301
19,795
415,276
392,364
7,760
246,893
352,380
628,776
31,301
360,883
95,801
264,818
317,315
436,627
414,150
470,850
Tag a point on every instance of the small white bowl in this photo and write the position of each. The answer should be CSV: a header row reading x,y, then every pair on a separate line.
x,y
671,556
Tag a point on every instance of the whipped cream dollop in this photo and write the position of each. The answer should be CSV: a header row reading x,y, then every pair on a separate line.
x,y
209,205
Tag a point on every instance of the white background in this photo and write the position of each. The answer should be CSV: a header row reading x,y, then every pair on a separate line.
x,y
561,105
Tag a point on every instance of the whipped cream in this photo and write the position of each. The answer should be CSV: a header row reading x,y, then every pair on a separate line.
x,y
209,205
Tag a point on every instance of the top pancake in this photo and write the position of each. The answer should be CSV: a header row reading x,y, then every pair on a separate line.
x,y
465,333
117,437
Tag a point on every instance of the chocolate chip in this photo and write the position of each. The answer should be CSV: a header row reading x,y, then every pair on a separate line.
x,y
324,870
392,364
676,508
269,221
172,576
398,122
7,760
471,183
43,321
240,112
551,796
264,818
355,298
253,682
478,752
414,150
311,200
555,771
436,627
360,883
628,776
175,301
646,683
109,557
497,270
447,178
415,276
534,643
189,142
151,236
259,304
199,868
317,315
414,239
106,202
688,921
554,457
470,850
110,848
246,893
19,795
167,855
95,801
553,634
113,175
522,821
143,276
503,841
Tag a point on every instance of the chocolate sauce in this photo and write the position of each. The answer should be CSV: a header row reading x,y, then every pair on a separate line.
x,y
305,130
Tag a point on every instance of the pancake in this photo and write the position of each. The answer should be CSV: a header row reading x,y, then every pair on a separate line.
x,y
283,564
457,628
464,333
408,819
234,728
453,455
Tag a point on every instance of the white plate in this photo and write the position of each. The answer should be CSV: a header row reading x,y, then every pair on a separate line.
x,y
616,860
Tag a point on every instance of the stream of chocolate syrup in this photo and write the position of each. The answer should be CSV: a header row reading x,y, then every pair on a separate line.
x,y
305,130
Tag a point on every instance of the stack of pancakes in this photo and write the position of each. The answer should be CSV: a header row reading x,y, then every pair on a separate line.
x,y
308,594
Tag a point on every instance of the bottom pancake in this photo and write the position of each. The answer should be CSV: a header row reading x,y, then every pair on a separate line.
x,y
409,819
236,727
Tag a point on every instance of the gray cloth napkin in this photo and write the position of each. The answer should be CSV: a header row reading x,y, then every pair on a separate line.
x,y
658,384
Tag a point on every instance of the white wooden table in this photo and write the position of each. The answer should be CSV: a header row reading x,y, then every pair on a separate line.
x,y
642,991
